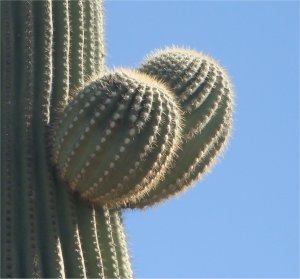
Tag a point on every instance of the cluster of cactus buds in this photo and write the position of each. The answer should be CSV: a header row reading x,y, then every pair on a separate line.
x,y
133,138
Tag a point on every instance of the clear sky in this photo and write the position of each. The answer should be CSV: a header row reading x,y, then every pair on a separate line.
x,y
242,220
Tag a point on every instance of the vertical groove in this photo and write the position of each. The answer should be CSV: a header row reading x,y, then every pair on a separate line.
x,y
52,259
9,260
106,242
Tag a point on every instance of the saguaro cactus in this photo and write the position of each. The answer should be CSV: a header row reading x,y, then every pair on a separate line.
x,y
79,143
48,49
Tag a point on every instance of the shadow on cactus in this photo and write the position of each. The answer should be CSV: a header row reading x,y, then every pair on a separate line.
x,y
136,138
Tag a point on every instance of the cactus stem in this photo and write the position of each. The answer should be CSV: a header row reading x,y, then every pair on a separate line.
x,y
46,231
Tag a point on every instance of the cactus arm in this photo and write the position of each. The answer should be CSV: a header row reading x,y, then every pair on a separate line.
x,y
115,136
204,92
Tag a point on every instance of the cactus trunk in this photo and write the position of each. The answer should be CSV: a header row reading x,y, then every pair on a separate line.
x,y
48,49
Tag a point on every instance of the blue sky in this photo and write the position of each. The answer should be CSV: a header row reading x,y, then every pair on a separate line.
x,y
242,220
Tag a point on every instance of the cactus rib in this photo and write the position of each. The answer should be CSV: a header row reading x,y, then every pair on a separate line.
x,y
9,262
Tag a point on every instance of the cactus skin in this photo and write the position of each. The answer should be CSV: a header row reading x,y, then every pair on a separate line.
x,y
117,138
48,49
205,94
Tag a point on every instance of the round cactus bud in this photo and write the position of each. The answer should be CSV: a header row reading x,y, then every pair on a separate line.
x,y
204,92
117,138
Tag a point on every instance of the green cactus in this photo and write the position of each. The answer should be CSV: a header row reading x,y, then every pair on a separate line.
x,y
115,137
79,143
204,93
48,49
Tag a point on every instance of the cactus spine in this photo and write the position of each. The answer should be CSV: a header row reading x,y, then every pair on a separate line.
x,y
49,48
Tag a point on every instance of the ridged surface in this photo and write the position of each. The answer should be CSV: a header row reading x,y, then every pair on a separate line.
x,y
205,95
48,232
117,135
